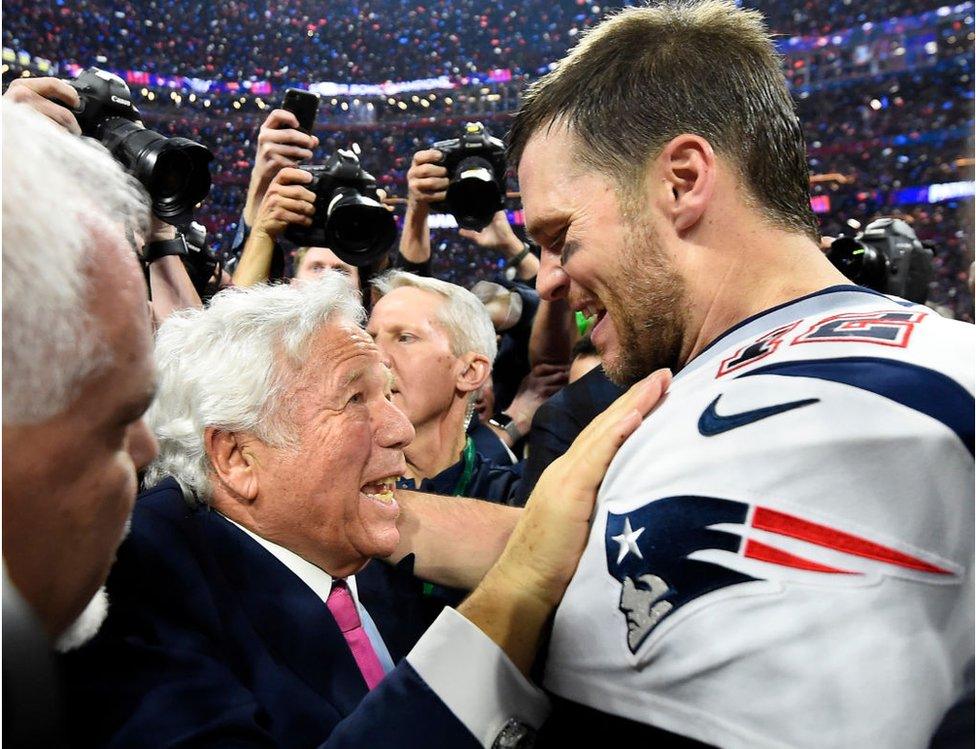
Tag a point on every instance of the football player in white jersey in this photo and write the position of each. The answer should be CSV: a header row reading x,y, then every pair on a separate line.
x,y
782,555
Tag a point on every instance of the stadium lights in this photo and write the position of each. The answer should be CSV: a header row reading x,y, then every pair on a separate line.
x,y
391,101
402,105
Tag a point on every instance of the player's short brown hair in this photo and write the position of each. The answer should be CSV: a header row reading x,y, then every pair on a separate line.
x,y
648,74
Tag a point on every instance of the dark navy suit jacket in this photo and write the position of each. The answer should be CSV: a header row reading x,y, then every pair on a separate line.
x,y
211,641
560,420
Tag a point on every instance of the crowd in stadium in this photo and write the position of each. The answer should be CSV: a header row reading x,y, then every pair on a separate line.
x,y
738,249
881,131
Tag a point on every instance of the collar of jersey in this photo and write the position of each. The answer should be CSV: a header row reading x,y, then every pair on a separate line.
x,y
821,301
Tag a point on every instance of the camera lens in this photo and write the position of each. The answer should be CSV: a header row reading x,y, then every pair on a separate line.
x,y
473,195
359,228
860,262
169,174
174,171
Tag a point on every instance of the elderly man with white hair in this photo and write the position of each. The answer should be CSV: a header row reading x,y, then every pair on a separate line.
x,y
438,341
244,610
77,377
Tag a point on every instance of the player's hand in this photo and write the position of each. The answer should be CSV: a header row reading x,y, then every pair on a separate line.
x,y
544,549
36,93
280,145
426,179
498,235
286,202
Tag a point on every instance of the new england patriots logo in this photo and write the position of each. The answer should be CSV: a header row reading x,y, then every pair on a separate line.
x,y
677,549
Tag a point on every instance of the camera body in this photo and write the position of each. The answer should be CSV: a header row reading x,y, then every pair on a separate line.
x,y
349,217
887,257
174,171
476,169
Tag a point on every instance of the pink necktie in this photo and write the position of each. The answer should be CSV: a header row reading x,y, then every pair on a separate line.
x,y
344,610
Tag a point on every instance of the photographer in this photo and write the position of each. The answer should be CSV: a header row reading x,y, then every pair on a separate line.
x,y
170,287
280,145
287,201
427,183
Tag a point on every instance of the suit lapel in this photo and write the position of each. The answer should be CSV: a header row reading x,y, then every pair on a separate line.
x,y
292,621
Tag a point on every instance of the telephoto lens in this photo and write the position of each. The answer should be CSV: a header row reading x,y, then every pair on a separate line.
x,y
349,218
174,171
476,169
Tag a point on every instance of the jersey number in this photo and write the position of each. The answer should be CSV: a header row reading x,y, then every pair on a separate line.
x,y
883,328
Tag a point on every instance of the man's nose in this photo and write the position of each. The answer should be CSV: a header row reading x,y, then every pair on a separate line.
x,y
395,429
142,445
552,281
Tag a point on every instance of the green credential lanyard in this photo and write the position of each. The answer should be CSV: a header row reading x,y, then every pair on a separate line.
x,y
460,489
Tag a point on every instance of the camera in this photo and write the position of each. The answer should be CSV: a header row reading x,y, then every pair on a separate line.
x,y
349,217
476,168
174,171
887,257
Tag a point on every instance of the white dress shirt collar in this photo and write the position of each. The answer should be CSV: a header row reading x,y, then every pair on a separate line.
x,y
314,577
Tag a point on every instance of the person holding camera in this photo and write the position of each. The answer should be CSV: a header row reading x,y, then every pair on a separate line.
x,y
280,145
160,249
287,201
427,183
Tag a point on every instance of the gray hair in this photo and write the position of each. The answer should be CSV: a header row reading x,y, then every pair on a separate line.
x,y
62,197
463,316
226,366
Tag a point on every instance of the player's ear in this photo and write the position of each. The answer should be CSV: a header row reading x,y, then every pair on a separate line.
x,y
689,171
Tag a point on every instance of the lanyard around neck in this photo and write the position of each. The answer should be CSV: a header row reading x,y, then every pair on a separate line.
x,y
461,488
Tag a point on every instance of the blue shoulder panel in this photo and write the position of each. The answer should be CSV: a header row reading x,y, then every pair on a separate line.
x,y
919,388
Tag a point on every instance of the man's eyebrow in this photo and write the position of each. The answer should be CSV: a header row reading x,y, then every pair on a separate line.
x,y
352,378
544,230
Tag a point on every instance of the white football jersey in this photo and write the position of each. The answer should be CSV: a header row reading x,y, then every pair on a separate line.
x,y
782,553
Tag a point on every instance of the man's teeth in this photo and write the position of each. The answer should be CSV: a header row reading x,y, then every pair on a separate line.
x,y
591,310
381,490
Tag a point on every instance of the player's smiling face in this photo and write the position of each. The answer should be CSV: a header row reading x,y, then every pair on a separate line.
x,y
606,264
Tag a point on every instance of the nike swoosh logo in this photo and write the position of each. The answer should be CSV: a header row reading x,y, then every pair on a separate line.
x,y
711,423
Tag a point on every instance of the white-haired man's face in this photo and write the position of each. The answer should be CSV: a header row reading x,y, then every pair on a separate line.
x,y
69,482
327,496
417,348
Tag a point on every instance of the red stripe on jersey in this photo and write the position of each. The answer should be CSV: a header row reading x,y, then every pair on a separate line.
x,y
764,553
788,525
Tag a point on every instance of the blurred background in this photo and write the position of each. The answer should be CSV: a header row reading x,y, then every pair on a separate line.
x,y
884,89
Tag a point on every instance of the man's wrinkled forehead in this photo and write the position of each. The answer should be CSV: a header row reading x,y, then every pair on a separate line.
x,y
547,175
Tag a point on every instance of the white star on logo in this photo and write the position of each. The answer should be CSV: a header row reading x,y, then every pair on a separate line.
x,y
628,541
